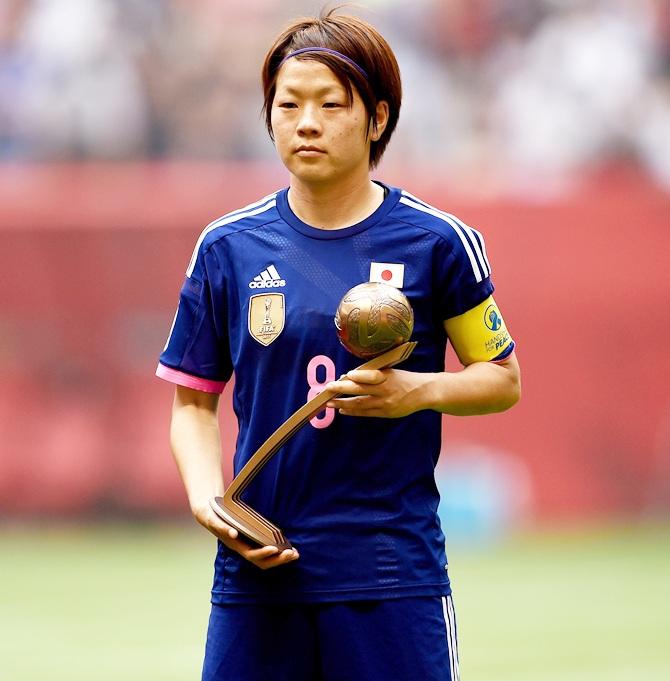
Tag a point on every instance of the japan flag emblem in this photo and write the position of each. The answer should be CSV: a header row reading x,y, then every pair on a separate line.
x,y
387,273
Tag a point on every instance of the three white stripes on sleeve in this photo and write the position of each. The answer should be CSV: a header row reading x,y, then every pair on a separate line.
x,y
472,240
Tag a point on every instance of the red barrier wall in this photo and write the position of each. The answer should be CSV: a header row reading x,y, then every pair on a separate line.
x,y
92,259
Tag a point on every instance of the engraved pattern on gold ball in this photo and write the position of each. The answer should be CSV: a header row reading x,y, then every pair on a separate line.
x,y
373,318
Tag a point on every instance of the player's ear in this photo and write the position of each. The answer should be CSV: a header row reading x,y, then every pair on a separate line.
x,y
379,120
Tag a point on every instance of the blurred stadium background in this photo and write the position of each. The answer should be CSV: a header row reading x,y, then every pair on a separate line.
x,y
127,125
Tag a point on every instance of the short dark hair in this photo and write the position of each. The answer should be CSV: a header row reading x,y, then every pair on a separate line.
x,y
359,41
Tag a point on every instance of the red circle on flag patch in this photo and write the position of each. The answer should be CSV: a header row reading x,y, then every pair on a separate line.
x,y
387,275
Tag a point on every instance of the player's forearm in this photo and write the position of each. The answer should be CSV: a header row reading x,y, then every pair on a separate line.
x,y
196,446
480,388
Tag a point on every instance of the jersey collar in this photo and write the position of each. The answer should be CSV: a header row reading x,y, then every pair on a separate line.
x,y
296,223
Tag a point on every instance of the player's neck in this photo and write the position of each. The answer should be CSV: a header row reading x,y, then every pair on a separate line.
x,y
328,207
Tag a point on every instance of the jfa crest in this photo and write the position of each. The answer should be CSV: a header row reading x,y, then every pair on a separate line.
x,y
266,316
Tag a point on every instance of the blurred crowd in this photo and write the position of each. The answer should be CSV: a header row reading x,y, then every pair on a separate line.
x,y
530,92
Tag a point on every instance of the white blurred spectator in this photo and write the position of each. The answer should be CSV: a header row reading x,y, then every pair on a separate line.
x,y
84,96
564,97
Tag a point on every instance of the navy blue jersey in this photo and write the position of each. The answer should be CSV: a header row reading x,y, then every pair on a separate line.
x,y
356,496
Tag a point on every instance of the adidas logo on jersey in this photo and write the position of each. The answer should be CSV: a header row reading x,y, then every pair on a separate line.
x,y
268,278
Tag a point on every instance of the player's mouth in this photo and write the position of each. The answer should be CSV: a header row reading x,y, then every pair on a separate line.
x,y
309,150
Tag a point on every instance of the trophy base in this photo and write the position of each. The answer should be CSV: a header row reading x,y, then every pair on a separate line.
x,y
251,525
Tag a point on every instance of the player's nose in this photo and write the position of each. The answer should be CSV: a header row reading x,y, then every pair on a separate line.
x,y
309,121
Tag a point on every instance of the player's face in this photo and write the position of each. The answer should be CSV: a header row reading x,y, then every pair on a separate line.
x,y
320,137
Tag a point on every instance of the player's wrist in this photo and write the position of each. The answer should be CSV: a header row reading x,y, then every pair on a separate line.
x,y
200,506
432,392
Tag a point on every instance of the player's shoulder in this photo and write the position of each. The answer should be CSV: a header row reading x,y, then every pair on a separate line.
x,y
238,221
463,243
252,215
428,217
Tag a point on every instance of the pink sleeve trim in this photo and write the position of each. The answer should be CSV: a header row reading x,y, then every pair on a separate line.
x,y
189,381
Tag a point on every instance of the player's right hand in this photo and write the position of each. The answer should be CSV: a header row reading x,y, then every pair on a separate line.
x,y
264,557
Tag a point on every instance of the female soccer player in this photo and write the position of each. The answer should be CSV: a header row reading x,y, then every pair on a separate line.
x,y
366,594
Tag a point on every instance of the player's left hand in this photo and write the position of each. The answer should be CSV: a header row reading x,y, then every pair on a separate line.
x,y
387,393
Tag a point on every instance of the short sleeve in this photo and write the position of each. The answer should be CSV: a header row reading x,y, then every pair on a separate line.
x,y
197,352
462,270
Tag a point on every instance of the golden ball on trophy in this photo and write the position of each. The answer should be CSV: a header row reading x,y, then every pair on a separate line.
x,y
372,318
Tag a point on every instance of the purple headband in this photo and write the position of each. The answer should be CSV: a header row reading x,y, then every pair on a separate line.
x,y
329,51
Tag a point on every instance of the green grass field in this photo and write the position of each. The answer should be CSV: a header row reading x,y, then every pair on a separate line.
x,y
115,603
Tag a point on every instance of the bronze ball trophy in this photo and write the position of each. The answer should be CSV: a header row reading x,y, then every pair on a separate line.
x,y
373,321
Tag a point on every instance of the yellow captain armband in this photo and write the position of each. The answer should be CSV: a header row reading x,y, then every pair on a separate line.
x,y
480,334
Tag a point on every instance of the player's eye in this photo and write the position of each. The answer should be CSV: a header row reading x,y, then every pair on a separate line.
x,y
287,105
332,105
